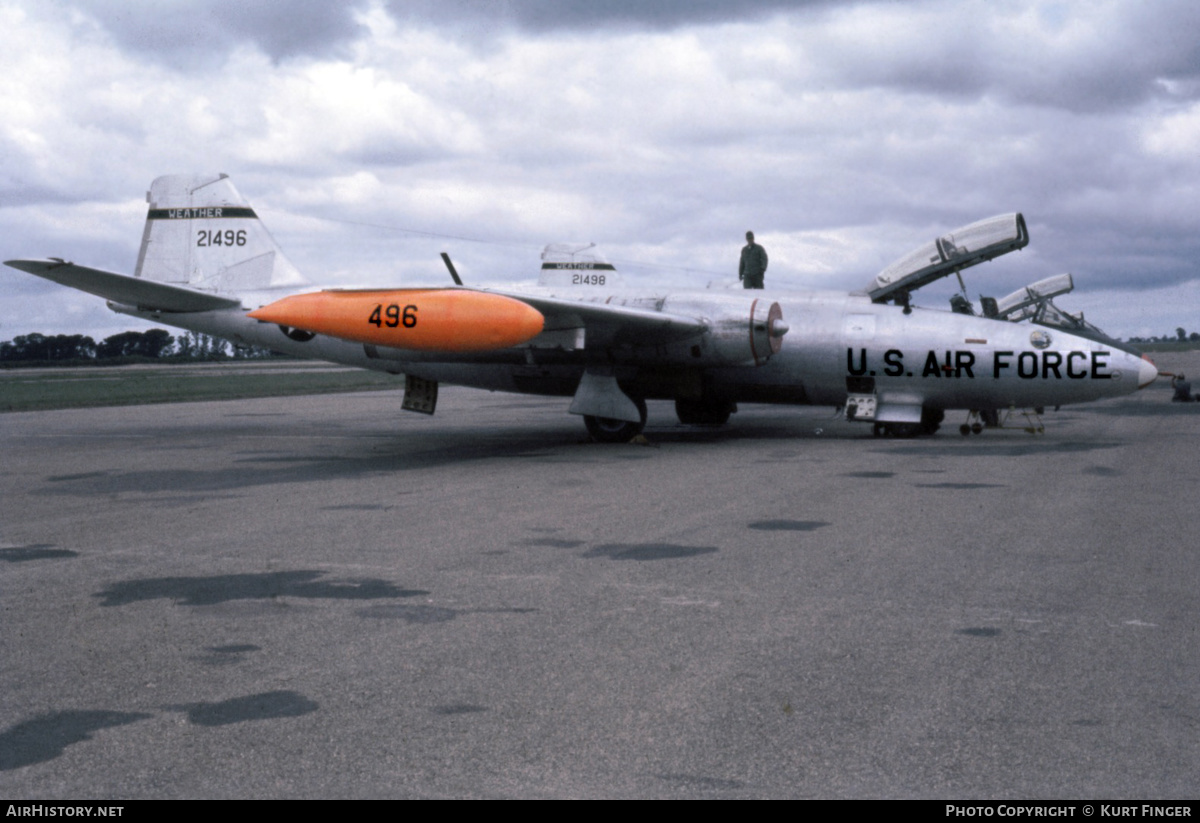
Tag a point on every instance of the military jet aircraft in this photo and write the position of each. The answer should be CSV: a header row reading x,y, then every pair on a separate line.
x,y
208,264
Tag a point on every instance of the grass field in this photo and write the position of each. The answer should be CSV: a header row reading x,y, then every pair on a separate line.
x,y
66,388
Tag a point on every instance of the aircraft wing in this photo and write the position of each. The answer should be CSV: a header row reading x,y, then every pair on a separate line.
x,y
597,323
950,253
121,288
607,324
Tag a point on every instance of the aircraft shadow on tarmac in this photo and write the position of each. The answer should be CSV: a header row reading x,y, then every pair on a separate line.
x,y
622,551
1020,448
788,525
222,588
384,456
389,452
281,470
647,551
424,615
36,551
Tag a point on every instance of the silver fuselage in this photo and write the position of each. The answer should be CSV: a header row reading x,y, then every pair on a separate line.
x,y
837,343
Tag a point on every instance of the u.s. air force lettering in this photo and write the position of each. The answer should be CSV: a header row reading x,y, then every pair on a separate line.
x,y
958,363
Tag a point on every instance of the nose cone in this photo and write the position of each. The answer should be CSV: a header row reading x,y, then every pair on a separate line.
x,y
1147,372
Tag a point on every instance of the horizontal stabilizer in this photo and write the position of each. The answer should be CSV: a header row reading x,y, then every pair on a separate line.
x,y
950,253
121,288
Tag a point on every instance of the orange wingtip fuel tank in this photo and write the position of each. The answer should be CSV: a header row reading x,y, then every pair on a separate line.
x,y
452,320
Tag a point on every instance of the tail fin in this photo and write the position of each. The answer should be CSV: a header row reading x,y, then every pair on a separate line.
x,y
576,264
200,232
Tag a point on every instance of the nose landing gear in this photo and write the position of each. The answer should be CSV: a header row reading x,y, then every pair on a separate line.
x,y
978,420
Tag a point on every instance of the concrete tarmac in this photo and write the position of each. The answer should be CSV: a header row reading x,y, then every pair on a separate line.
x,y
328,597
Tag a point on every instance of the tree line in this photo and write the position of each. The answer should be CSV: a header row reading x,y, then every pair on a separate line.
x,y
1181,336
155,344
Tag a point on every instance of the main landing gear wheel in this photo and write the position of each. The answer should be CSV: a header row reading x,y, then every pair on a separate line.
x,y
608,430
978,420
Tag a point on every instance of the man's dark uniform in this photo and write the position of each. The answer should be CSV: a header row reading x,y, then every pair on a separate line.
x,y
753,265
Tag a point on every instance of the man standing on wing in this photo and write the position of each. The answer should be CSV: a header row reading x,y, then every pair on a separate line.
x,y
753,266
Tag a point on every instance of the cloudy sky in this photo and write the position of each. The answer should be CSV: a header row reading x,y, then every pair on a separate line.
x,y
372,134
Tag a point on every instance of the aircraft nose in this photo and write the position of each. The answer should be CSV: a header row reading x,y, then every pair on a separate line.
x,y
1147,372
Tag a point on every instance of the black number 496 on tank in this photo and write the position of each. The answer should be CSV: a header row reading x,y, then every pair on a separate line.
x,y
392,316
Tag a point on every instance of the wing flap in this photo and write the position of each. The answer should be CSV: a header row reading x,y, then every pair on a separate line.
x,y
121,288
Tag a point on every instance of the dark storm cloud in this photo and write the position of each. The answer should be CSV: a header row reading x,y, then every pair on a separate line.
x,y
577,15
1081,58
204,31
1089,58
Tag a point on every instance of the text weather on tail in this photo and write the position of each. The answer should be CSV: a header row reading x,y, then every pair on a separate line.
x,y
207,264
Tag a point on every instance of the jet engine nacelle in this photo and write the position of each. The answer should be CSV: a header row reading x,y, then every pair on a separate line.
x,y
740,330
